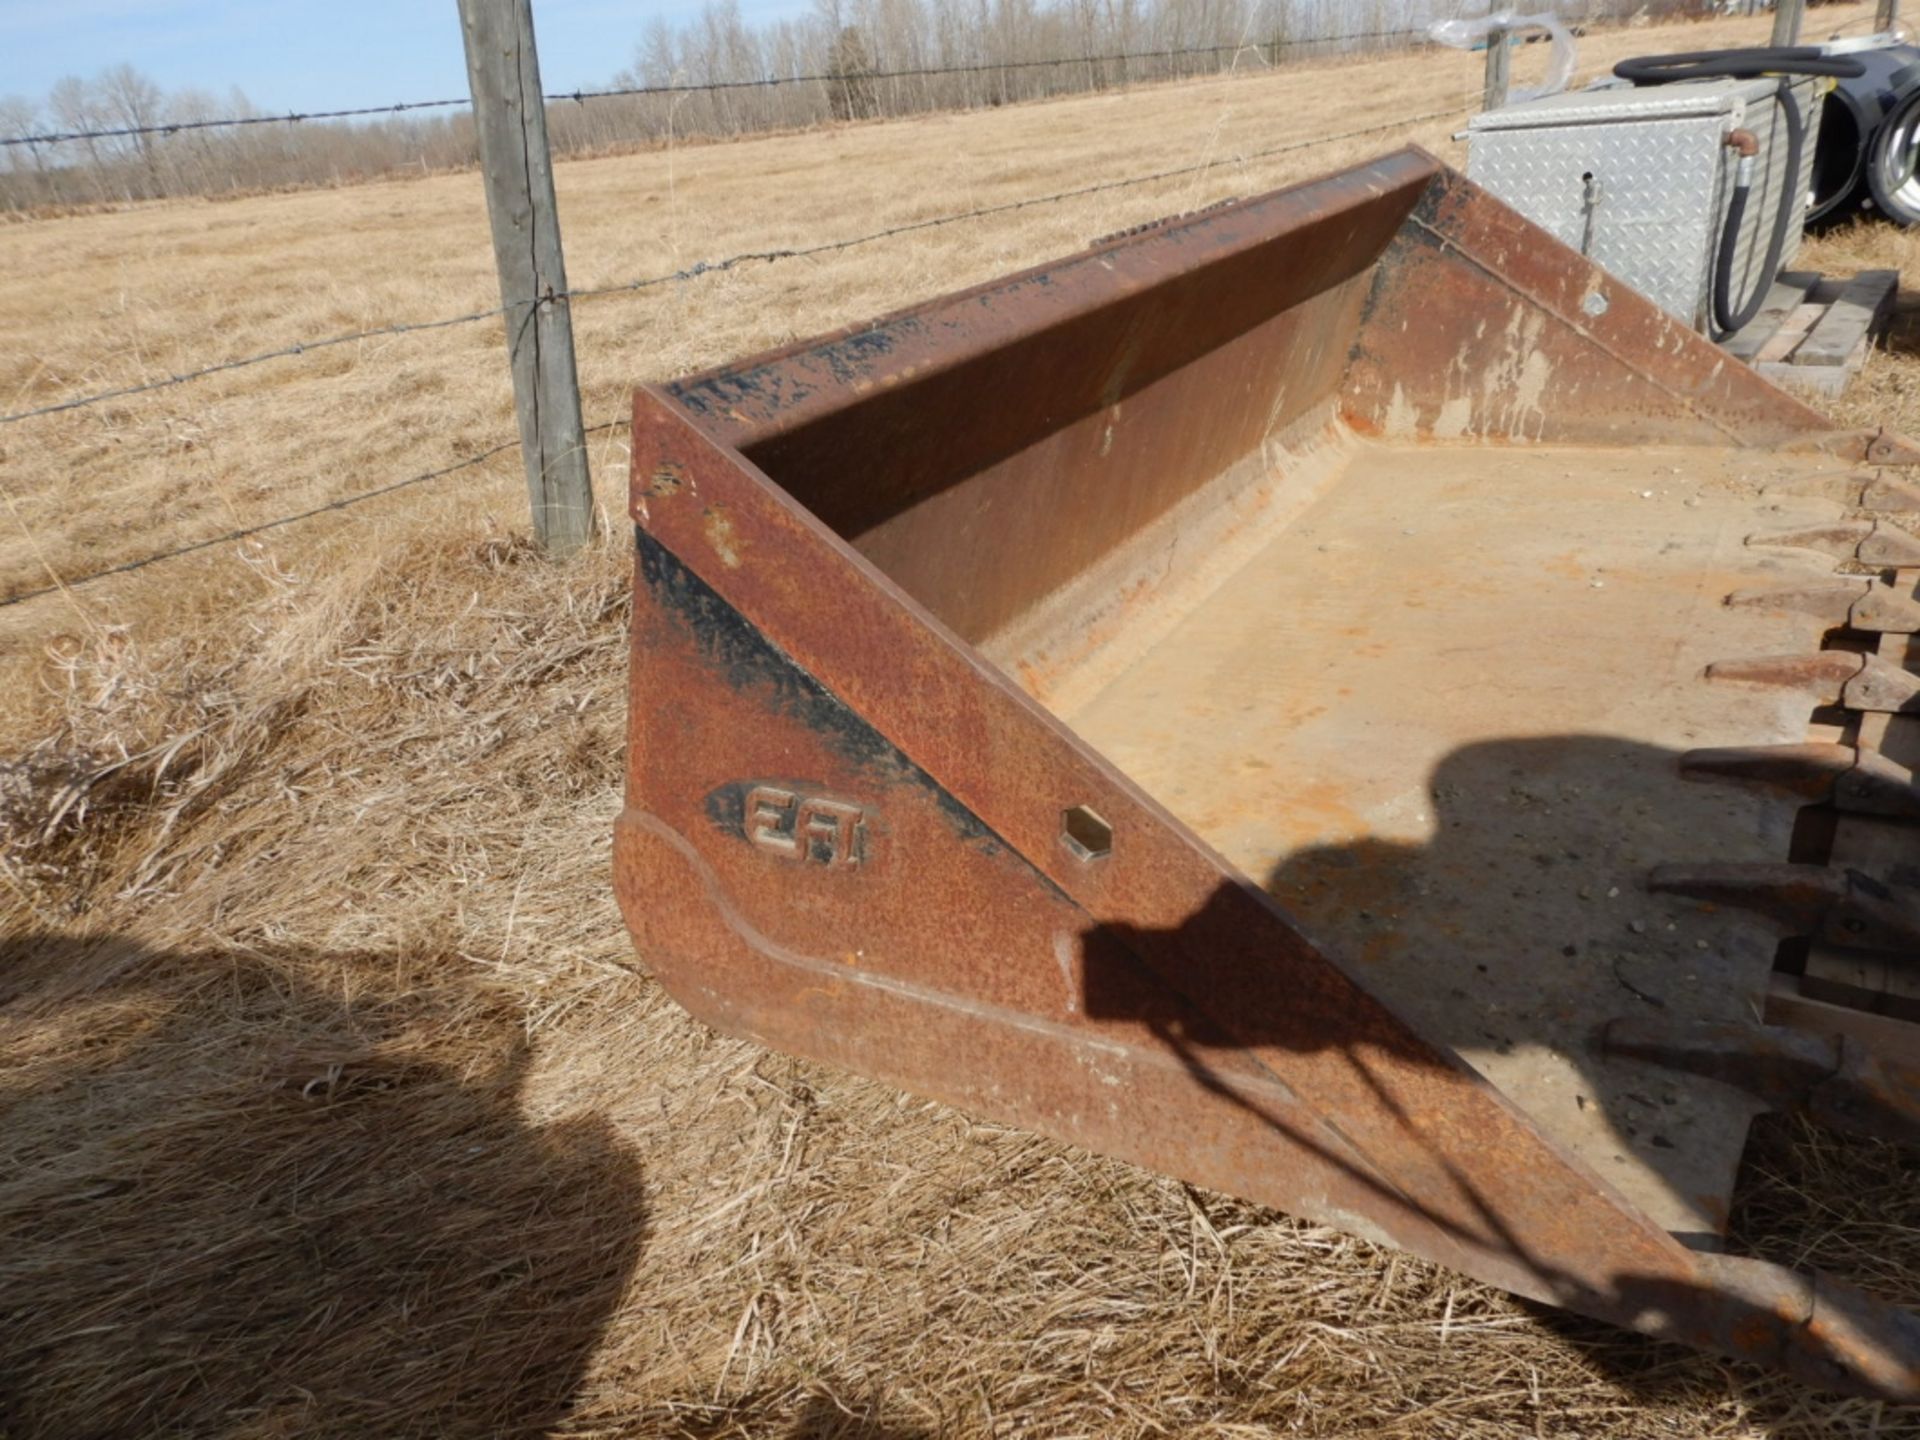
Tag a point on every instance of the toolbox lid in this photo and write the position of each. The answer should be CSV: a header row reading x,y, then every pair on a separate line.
x,y
1613,104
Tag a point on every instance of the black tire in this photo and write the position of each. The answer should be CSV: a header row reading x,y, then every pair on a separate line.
x,y
1852,115
1893,155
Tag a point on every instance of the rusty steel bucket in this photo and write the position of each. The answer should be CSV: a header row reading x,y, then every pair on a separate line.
x,y
1228,700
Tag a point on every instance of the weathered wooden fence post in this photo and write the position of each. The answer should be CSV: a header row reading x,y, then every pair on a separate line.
x,y
1499,70
510,119
1786,21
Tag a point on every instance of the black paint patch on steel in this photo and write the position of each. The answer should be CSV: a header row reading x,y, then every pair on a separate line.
x,y
1420,234
726,808
773,386
750,662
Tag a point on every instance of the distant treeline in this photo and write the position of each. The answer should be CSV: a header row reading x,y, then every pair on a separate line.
x,y
845,61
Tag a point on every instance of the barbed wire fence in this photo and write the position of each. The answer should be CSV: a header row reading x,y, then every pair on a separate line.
x,y
638,285
703,268
156,147
1269,51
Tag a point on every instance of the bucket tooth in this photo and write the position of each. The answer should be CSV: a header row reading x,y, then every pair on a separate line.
x,y
1842,907
1878,786
1798,897
1859,492
1889,545
1813,770
1890,447
1836,677
1884,606
1830,602
1821,1330
1883,686
1872,542
1842,540
1851,489
1831,1078
1842,487
1828,672
1887,608
1861,782
1884,493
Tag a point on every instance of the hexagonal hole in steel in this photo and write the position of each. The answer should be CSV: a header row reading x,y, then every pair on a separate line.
x,y
1085,834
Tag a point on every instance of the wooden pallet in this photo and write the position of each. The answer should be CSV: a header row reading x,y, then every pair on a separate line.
x,y
1814,331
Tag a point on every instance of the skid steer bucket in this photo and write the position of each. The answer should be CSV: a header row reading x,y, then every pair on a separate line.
x,y
1324,699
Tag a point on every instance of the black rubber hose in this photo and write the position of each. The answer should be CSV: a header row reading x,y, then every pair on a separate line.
x,y
1747,65
1723,323
1736,65
1726,321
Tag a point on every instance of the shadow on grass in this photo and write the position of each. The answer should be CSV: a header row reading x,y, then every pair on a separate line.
x,y
1484,936
276,1192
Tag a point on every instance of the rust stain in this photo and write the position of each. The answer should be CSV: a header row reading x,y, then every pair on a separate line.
x,y
1317,811
1567,566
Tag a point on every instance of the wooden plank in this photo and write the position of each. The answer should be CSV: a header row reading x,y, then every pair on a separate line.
x,y
503,71
1846,977
1795,328
1865,304
1868,980
1786,295
1887,1035
1823,382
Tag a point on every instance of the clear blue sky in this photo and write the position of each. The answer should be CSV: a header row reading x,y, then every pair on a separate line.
x,y
314,54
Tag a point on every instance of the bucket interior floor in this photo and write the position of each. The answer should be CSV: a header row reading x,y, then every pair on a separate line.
x,y
1439,715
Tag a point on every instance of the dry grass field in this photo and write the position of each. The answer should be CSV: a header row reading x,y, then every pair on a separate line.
x,y
330,1102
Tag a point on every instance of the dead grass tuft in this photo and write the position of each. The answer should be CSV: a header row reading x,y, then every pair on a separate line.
x,y
331,1105
330,1102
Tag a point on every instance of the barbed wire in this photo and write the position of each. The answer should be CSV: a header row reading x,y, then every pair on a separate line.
x,y
862,77
285,352
985,67
174,127
64,583
1006,207
344,502
706,267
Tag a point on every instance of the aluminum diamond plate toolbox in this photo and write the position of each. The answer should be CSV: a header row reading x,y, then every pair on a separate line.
x,y
1639,179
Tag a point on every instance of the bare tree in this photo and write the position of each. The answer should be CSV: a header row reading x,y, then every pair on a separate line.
x,y
77,110
131,101
851,69
841,60
26,165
